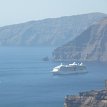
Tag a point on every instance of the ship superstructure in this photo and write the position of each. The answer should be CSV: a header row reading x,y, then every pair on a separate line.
x,y
69,69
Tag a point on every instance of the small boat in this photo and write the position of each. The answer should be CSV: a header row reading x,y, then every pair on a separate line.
x,y
73,68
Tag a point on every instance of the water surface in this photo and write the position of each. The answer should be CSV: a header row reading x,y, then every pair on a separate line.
x,y
26,80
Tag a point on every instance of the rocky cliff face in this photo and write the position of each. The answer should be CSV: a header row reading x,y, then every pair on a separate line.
x,y
87,99
48,32
91,45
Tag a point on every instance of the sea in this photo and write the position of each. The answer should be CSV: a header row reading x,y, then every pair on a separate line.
x,y
26,80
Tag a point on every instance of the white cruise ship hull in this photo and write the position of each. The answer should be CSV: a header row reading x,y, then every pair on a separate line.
x,y
69,72
69,69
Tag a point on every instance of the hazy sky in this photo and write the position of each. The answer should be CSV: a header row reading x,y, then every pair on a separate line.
x,y
17,11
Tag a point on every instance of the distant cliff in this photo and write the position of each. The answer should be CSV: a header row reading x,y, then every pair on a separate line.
x,y
48,32
91,45
87,99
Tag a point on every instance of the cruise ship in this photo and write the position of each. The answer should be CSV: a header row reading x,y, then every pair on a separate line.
x,y
73,68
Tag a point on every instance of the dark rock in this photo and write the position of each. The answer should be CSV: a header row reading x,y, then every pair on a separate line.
x,y
87,99
45,59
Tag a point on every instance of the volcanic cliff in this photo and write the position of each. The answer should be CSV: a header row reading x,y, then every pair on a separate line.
x,y
47,32
91,45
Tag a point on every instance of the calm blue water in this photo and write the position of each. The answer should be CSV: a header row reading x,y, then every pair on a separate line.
x,y
26,80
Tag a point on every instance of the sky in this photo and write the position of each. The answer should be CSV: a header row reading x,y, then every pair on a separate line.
x,y
19,11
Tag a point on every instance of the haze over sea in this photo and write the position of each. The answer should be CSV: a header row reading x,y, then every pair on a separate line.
x,y
26,80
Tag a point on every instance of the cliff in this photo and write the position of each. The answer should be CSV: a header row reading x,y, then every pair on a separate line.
x,y
87,99
91,45
47,32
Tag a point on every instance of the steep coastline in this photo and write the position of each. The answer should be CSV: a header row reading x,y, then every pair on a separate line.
x,y
47,32
92,98
91,45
